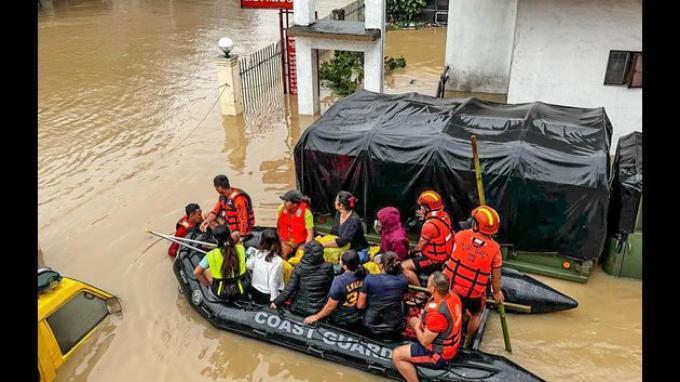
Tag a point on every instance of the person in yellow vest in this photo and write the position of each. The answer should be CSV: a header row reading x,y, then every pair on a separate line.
x,y
227,263
295,222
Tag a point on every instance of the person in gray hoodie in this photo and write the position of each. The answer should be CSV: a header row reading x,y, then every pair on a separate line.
x,y
309,283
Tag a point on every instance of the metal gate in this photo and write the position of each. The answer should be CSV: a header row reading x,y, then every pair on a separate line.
x,y
260,74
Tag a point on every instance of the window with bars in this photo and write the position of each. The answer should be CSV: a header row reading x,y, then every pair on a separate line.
x,y
624,68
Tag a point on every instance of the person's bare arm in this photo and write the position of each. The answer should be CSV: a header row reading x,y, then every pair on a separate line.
x,y
425,336
361,303
199,273
310,235
323,313
421,244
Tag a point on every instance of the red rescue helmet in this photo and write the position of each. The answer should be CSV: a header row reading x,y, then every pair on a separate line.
x,y
487,220
430,199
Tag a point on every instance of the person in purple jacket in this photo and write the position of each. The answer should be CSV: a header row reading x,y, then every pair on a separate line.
x,y
392,235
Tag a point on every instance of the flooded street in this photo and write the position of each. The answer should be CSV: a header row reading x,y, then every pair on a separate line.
x,y
129,133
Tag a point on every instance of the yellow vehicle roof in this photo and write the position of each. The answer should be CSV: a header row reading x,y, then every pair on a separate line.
x,y
50,301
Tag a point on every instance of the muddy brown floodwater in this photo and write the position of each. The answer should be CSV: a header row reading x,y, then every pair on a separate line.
x,y
122,88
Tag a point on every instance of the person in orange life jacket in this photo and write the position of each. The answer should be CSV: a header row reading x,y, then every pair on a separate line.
x,y
347,226
438,331
476,257
193,216
295,222
344,294
436,238
234,208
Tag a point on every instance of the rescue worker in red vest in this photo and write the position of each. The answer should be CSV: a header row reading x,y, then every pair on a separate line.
x,y
436,238
476,257
234,208
438,331
192,218
295,222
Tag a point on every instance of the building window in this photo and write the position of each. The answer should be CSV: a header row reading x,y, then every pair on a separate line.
x,y
624,68
76,318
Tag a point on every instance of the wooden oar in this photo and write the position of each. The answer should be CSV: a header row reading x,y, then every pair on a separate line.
x,y
482,201
514,307
147,230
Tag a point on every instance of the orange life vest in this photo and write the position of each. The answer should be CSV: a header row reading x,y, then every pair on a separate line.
x,y
230,214
447,342
291,226
439,248
469,266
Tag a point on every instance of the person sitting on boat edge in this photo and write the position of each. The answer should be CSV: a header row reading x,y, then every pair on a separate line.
x,y
381,296
227,264
393,236
309,283
347,226
295,222
266,269
193,216
438,331
476,257
344,294
436,238
234,208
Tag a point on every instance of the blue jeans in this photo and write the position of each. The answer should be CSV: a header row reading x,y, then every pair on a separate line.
x,y
363,255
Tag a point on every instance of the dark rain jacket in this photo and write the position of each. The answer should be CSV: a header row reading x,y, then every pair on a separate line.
x,y
309,283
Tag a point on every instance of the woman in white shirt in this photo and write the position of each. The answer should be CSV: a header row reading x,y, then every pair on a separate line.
x,y
266,266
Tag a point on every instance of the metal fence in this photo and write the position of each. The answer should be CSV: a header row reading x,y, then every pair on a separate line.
x,y
441,85
260,74
354,11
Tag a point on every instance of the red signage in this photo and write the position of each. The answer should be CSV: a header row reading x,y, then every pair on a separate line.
x,y
292,67
267,4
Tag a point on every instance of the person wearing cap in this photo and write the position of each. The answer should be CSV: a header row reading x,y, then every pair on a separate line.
x,y
193,217
295,222
475,263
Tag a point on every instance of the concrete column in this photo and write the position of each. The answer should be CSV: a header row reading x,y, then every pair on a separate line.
x,y
374,67
231,98
303,12
374,72
479,44
307,77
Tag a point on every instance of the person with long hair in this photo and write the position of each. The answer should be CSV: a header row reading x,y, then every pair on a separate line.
x,y
347,226
227,264
266,269
344,293
382,296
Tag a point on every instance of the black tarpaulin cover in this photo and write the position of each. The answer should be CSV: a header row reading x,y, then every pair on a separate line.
x,y
546,167
626,184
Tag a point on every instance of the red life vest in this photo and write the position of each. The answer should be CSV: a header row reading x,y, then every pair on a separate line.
x,y
291,226
183,222
439,248
447,342
469,267
230,214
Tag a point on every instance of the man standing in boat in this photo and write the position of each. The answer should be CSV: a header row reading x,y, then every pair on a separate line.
x,y
234,208
438,331
476,257
436,238
193,216
295,222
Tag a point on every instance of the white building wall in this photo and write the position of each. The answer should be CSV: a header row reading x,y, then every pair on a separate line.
x,y
561,52
479,44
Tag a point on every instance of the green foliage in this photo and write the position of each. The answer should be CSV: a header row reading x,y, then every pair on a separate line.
x,y
392,63
404,10
345,71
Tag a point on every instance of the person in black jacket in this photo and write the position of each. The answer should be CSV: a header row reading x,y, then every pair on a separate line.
x,y
309,283
347,226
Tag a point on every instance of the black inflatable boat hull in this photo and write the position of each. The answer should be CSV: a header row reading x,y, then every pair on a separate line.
x,y
330,342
